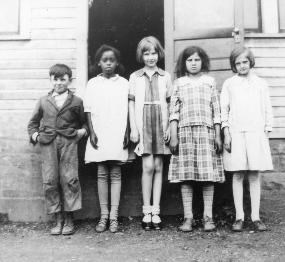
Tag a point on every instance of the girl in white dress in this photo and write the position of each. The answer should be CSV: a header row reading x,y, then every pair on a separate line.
x,y
246,121
106,105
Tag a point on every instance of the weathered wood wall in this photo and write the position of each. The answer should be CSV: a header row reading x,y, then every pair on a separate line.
x,y
56,35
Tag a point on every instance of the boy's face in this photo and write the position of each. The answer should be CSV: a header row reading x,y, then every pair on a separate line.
x,y
242,65
61,83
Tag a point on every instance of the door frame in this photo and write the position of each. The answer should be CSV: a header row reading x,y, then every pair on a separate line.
x,y
171,36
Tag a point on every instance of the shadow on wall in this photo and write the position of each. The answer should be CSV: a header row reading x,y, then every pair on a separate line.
x,y
131,196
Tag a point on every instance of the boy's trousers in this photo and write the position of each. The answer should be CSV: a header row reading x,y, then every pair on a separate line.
x,y
60,175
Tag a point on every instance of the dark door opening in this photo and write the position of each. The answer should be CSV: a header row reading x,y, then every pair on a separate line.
x,y
122,24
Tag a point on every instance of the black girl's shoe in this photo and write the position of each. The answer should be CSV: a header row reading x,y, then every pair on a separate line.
x,y
156,222
146,222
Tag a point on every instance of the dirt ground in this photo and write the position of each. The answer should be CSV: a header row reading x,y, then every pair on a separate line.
x,y
31,242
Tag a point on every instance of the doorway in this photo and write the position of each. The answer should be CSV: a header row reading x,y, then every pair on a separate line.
x,y
122,24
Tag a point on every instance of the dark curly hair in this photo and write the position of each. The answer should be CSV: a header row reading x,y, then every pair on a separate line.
x,y
102,49
181,69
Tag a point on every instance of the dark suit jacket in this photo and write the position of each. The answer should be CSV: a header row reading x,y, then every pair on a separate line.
x,y
49,120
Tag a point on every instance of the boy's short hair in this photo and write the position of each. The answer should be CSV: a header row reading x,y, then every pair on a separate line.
x,y
145,44
181,69
59,70
237,52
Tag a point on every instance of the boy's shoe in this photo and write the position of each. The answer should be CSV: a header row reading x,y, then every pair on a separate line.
x,y
114,225
102,225
186,225
156,222
146,222
68,229
259,226
237,226
209,224
57,230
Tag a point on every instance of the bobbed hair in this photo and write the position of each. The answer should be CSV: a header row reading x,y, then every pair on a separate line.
x,y
181,69
237,52
59,70
99,53
146,44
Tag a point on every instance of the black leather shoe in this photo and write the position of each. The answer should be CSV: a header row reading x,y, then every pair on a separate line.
x,y
146,226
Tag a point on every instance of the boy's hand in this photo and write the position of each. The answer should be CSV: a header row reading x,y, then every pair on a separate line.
x,y
135,136
218,145
166,136
35,137
228,142
173,145
94,140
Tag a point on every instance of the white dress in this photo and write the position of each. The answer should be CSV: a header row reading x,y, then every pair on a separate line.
x,y
107,101
246,110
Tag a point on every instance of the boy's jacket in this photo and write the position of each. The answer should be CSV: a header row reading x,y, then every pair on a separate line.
x,y
49,120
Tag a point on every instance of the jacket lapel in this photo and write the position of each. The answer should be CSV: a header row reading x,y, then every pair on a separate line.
x,y
67,102
52,101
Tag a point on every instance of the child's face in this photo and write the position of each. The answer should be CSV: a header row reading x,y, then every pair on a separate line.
x,y
242,65
193,64
108,63
150,57
60,84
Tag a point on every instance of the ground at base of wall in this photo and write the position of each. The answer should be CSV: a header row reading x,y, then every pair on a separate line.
x,y
31,242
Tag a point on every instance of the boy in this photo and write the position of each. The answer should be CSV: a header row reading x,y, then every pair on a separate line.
x,y
57,124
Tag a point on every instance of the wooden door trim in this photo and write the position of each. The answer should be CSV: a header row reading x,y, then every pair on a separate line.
x,y
204,33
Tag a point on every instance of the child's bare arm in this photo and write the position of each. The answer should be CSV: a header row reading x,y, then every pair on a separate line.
x,y
173,145
93,136
134,136
227,139
218,139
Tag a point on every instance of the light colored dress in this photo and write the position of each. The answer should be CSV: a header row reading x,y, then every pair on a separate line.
x,y
107,101
151,110
195,105
247,111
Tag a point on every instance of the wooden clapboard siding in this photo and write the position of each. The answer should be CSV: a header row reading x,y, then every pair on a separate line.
x,y
56,29
270,65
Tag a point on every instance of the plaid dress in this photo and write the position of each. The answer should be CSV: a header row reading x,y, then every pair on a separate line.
x,y
195,105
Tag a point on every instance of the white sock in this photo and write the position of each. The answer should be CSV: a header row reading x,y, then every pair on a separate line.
x,y
254,189
238,194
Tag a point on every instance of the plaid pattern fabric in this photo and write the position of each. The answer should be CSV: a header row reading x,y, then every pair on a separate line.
x,y
195,102
196,159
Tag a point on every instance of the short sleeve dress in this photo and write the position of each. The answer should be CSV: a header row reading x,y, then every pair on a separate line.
x,y
195,105
107,101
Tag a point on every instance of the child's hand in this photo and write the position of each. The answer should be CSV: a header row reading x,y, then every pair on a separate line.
x,y
126,141
227,142
35,137
166,136
94,140
218,145
135,136
81,133
173,145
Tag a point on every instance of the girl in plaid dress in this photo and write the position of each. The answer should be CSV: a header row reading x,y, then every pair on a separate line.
x,y
195,133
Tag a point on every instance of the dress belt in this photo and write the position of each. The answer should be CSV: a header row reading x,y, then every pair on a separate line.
x,y
152,102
